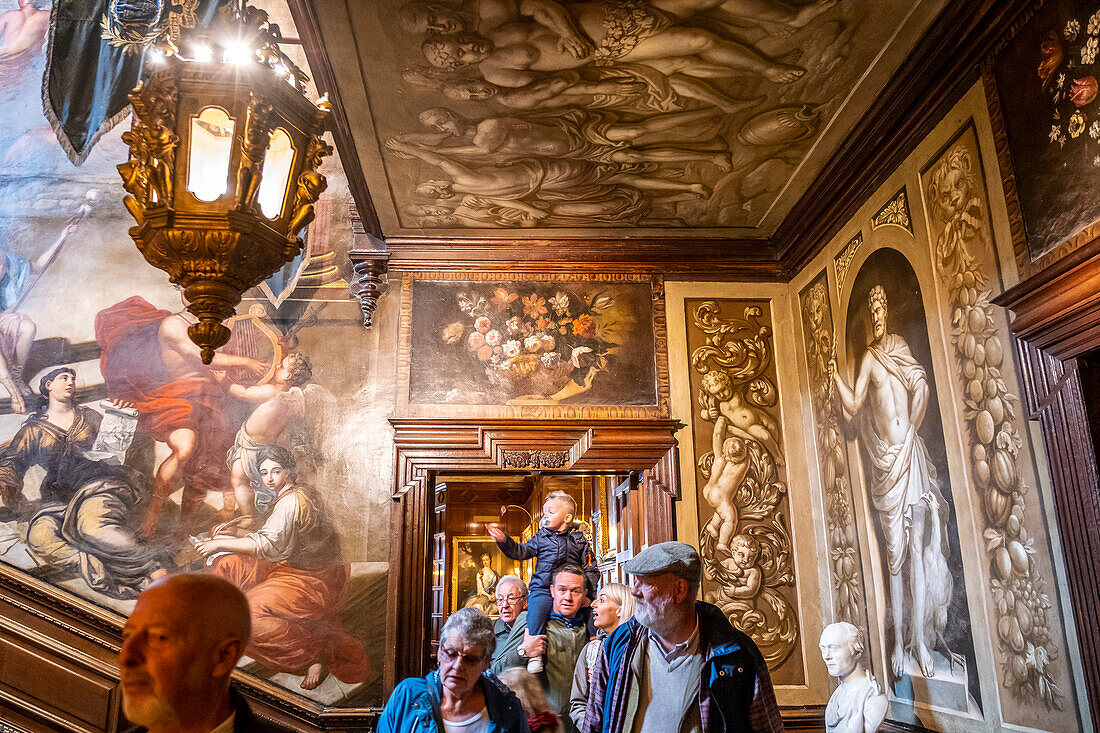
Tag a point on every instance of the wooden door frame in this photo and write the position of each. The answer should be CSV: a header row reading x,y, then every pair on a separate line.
x,y
427,446
1056,318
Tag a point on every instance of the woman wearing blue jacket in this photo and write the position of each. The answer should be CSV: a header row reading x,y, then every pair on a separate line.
x,y
461,696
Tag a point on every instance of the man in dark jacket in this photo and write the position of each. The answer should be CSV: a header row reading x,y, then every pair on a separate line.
x,y
179,647
711,676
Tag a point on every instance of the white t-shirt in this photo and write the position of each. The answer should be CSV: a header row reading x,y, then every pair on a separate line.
x,y
478,723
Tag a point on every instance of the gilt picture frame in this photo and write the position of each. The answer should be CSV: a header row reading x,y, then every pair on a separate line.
x,y
532,345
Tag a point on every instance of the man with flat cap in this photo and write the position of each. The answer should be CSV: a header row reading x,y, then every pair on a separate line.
x,y
710,676
179,648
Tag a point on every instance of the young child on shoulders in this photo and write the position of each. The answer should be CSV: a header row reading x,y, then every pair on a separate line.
x,y
558,542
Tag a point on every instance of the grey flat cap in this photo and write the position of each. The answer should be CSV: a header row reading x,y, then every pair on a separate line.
x,y
678,558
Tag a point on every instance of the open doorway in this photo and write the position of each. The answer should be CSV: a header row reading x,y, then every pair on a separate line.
x,y
466,563
451,474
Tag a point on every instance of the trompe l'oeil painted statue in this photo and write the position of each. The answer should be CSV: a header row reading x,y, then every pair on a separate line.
x,y
858,705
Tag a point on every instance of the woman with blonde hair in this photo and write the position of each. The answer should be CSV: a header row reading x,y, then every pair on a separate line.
x,y
613,606
540,718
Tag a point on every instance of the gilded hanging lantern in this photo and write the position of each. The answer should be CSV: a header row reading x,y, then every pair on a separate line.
x,y
222,176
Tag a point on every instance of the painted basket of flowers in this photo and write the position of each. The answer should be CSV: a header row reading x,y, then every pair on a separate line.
x,y
536,340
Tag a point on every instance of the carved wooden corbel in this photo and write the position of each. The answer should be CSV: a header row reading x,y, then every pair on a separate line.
x,y
370,281
369,259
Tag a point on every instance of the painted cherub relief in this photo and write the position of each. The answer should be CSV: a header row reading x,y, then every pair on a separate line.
x,y
745,542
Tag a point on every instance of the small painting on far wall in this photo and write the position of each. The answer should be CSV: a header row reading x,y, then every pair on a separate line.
x,y
1046,79
477,566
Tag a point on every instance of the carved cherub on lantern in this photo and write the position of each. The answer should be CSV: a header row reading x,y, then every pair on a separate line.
x,y
311,184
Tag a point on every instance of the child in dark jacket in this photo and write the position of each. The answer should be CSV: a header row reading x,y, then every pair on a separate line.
x,y
557,543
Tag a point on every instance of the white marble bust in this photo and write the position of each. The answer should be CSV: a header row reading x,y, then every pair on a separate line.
x,y
858,705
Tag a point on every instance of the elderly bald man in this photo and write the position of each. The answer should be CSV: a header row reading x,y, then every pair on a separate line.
x,y
179,648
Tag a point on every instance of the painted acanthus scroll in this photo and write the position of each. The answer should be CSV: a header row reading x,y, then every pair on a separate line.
x,y
844,560
746,544
843,260
1019,591
895,213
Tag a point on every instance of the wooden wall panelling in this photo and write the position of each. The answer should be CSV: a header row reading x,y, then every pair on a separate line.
x,y
59,667
408,586
441,561
1053,395
57,674
1058,309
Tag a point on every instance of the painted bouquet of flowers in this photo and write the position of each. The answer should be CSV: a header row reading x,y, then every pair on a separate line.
x,y
542,343
1068,70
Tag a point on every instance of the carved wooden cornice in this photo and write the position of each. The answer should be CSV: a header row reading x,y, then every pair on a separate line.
x,y
609,446
940,68
701,258
1058,309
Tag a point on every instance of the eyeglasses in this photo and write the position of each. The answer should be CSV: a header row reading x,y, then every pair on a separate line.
x,y
468,659
508,600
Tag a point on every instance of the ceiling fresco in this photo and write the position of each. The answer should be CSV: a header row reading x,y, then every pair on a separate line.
x,y
536,118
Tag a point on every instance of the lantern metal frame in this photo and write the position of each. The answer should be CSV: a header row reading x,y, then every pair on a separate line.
x,y
216,250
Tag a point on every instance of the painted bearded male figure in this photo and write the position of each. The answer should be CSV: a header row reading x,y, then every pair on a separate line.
x,y
889,402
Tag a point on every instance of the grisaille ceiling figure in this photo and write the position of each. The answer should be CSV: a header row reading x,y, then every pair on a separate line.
x,y
498,118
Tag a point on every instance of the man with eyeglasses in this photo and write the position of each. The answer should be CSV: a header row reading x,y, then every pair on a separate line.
x,y
511,595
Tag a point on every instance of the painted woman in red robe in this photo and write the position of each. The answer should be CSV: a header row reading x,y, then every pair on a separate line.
x,y
294,575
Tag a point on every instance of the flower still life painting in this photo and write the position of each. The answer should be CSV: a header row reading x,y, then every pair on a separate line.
x,y
547,343
1046,80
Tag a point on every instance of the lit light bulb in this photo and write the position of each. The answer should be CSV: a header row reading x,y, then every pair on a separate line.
x,y
156,56
238,53
202,52
281,69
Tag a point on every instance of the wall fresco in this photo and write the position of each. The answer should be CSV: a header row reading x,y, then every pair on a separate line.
x,y
1025,609
745,540
124,458
845,566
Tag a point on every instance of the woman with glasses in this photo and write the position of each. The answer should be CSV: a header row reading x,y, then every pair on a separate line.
x,y
459,697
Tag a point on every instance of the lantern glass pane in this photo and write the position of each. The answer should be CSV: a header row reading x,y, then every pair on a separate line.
x,y
276,174
211,146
